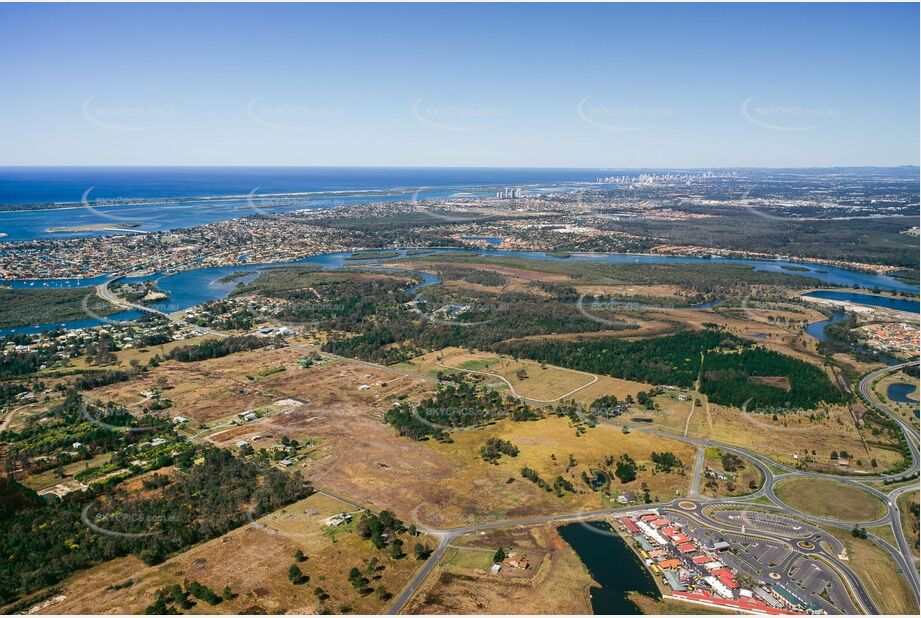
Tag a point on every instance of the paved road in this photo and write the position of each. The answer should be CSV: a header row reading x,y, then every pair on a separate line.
x,y
698,471
903,555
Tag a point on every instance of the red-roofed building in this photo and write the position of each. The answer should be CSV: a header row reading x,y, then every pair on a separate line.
x,y
658,523
727,577
701,559
681,538
629,524
687,548
669,531
649,517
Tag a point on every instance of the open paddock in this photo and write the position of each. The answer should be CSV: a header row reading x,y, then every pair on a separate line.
x,y
555,583
253,560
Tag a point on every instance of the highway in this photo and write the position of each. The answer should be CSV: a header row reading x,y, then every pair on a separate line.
x,y
903,555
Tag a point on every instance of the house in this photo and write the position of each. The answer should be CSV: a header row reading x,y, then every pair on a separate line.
x,y
179,420
77,444
241,443
495,569
338,520
517,561
248,416
687,548
626,497
629,525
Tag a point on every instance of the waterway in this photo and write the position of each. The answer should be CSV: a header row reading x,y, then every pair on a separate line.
x,y
165,198
195,286
612,564
887,302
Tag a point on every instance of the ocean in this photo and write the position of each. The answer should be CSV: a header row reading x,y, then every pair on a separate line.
x,y
151,199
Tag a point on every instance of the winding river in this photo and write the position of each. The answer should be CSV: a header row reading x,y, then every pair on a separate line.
x,y
195,286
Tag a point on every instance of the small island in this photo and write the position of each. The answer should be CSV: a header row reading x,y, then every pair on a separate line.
x,y
97,227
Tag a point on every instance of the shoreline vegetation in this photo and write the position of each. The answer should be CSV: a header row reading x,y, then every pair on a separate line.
x,y
98,227
27,307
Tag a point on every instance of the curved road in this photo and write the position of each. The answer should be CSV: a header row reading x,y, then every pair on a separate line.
x,y
903,555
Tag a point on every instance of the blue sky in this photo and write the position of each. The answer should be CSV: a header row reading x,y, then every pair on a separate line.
x,y
591,85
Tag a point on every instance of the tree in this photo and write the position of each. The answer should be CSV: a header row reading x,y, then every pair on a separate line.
x,y
295,575
382,593
228,594
299,555
499,556
421,551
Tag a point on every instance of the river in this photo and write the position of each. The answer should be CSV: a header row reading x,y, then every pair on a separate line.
x,y
195,286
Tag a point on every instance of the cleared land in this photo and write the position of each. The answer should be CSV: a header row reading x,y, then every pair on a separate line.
x,y
555,583
789,438
878,572
337,409
539,382
253,561
831,499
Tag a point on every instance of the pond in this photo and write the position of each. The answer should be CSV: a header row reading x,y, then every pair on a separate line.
x,y
612,564
900,392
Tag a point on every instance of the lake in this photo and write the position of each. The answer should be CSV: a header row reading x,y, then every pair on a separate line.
x,y
612,564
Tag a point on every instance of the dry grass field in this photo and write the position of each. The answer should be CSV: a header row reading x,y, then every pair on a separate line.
x,y
546,446
831,499
908,520
789,438
540,383
905,410
556,582
878,572
355,454
253,561
740,483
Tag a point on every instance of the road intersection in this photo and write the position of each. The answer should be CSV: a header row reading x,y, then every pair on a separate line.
x,y
903,555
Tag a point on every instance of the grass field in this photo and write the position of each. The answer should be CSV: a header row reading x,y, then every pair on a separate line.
x,y
905,410
556,583
740,482
539,383
791,434
48,478
253,561
908,519
878,572
546,446
831,499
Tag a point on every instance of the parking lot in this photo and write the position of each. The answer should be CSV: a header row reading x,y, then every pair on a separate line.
x,y
778,561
